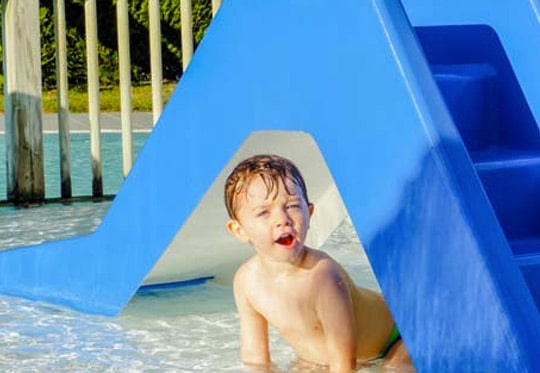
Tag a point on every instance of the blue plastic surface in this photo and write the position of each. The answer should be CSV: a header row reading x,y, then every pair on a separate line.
x,y
430,207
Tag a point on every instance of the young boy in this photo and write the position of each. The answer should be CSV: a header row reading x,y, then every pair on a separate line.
x,y
302,292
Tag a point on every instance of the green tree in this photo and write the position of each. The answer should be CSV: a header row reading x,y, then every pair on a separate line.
x,y
107,49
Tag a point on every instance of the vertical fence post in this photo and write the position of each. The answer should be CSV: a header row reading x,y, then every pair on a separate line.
x,y
62,97
215,6
186,21
155,58
92,68
122,15
23,104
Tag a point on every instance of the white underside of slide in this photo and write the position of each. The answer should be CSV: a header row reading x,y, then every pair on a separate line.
x,y
203,247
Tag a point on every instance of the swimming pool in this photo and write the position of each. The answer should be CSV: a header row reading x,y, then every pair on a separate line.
x,y
191,329
81,169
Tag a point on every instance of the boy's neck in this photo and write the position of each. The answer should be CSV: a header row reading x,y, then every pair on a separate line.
x,y
277,267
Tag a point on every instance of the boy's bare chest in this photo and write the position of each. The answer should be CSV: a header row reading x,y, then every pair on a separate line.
x,y
289,307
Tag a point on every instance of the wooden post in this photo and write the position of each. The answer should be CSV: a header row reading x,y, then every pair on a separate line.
x,y
215,6
62,99
92,68
155,59
23,103
124,57
186,21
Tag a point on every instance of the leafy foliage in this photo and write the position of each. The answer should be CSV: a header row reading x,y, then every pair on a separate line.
x,y
108,45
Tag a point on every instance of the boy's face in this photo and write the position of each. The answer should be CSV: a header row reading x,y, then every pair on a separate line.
x,y
276,224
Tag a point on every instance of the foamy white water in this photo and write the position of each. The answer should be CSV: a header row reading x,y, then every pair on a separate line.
x,y
191,329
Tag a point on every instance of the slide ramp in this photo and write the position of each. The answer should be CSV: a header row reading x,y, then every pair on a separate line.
x,y
203,248
484,62
360,79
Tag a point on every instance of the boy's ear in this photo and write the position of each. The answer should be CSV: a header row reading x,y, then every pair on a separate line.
x,y
311,208
234,227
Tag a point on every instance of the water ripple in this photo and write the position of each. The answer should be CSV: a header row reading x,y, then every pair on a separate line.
x,y
194,329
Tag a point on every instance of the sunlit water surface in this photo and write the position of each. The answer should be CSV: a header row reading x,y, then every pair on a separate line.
x,y
190,329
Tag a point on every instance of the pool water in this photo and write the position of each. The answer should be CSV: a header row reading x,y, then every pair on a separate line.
x,y
81,165
190,329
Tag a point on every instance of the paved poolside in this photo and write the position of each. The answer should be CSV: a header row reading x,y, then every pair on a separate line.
x,y
78,122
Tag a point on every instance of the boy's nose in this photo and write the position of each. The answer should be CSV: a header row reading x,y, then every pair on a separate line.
x,y
283,218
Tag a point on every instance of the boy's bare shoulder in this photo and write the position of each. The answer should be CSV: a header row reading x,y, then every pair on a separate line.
x,y
245,272
323,265
320,260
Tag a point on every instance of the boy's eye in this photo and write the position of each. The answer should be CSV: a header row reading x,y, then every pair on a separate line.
x,y
293,206
261,213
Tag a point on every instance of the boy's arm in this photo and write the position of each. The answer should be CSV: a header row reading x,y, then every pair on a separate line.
x,y
336,312
254,351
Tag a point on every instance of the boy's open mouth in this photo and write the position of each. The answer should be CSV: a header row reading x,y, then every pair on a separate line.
x,y
285,240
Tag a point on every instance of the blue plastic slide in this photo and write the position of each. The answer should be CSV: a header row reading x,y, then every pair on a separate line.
x,y
426,113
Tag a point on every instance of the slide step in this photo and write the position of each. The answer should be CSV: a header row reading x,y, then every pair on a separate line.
x,y
512,187
470,94
528,260
526,251
501,159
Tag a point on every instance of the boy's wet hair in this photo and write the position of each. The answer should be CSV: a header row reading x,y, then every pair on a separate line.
x,y
272,169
